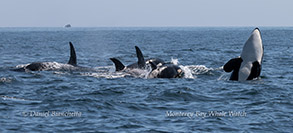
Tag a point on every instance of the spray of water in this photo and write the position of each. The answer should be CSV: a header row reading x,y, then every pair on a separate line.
x,y
174,61
187,72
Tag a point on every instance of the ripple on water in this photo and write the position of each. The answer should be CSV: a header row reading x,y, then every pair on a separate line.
x,y
6,80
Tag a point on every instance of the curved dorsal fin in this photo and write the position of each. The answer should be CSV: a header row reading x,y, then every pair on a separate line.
x,y
72,59
118,65
141,61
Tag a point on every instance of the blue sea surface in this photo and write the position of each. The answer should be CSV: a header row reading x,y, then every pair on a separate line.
x,y
106,101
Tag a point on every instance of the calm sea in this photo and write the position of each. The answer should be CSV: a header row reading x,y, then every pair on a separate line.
x,y
105,101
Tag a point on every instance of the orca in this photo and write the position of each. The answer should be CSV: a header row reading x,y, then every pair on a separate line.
x,y
140,64
160,69
248,65
166,70
49,66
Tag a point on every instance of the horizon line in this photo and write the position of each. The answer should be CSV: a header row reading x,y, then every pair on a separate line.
x,y
144,26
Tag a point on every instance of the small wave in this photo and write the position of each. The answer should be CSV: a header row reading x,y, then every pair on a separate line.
x,y
7,98
5,80
106,72
60,73
105,68
109,75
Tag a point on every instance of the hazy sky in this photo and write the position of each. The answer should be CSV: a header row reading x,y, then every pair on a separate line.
x,y
112,13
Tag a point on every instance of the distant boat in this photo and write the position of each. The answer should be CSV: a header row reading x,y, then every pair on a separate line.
x,y
67,26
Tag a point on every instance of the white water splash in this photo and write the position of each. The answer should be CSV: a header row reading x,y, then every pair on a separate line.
x,y
3,80
199,69
174,61
112,68
187,72
149,70
224,76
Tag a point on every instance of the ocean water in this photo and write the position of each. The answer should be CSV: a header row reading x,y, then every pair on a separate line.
x,y
105,101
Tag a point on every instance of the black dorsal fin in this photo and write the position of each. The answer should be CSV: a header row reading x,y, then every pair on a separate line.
x,y
72,59
118,65
140,62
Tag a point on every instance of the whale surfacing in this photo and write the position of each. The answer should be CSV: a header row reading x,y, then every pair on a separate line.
x,y
47,66
248,65
160,69
140,64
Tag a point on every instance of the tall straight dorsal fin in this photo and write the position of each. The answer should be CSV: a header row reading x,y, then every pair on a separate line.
x,y
118,65
72,59
141,61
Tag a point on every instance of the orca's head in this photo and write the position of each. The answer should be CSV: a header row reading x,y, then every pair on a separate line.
x,y
35,66
170,71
